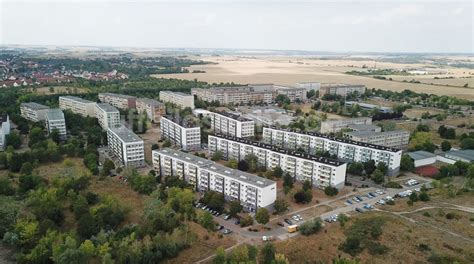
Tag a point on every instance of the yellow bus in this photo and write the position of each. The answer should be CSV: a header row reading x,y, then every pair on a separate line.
x,y
292,228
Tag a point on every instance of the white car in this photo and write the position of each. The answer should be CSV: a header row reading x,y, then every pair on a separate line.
x,y
267,238
379,192
381,201
389,198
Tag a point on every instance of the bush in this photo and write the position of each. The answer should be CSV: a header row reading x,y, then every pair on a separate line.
x,y
303,197
393,185
311,227
331,191
247,220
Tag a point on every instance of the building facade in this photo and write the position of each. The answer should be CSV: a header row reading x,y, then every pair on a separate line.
x,y
250,190
186,136
393,139
370,107
4,130
126,146
340,89
107,115
153,109
180,99
320,171
33,111
233,125
345,149
335,125
55,121
77,105
309,86
120,101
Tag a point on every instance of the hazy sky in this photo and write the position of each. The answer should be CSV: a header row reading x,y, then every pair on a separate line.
x,y
385,26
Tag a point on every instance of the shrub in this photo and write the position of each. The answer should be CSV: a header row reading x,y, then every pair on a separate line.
x,y
330,191
311,227
247,220
393,185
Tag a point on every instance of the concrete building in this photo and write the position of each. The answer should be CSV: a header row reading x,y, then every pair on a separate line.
x,y
422,158
126,146
180,99
320,171
153,109
309,86
121,101
233,125
250,190
358,128
4,130
340,89
465,155
335,125
345,149
33,111
199,112
266,115
107,115
178,132
55,120
394,139
370,107
77,105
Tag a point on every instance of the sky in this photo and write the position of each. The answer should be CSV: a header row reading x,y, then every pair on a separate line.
x,y
337,26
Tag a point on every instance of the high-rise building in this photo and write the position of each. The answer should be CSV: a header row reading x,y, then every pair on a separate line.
x,y
4,130
250,190
178,132
33,111
77,105
394,139
340,89
107,115
55,121
231,124
126,146
120,101
179,99
320,171
153,109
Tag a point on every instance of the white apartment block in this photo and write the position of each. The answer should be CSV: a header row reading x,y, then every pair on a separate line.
x,y
55,120
394,139
335,125
180,99
293,93
153,109
126,146
186,136
345,149
250,190
340,89
120,101
233,125
107,115
33,111
309,85
320,171
77,105
4,130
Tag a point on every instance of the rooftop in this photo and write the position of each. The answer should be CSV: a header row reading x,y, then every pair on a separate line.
x,y
466,154
361,127
215,167
125,134
151,102
372,133
34,106
329,121
55,114
176,93
107,107
420,154
342,140
296,154
369,106
234,116
188,123
118,95
323,85
77,99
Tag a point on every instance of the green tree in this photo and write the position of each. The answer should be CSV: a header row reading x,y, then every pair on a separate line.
x,y
234,208
355,168
36,135
280,205
407,163
311,227
378,176
369,166
14,140
26,168
220,257
330,191
262,216
107,167
55,136
205,219
217,156
267,253
252,162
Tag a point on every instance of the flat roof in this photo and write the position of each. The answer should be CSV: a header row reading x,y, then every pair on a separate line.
x,y
77,99
234,116
362,127
215,167
34,106
372,133
342,140
181,122
340,85
125,134
118,95
152,102
466,154
420,154
177,93
107,107
369,105
330,121
55,114
292,153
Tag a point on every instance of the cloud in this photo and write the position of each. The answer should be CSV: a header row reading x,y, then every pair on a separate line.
x,y
386,16
457,11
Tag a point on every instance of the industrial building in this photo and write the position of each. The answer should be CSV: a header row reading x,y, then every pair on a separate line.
x,y
370,107
121,101
250,190
126,146
55,121
177,98
33,111
335,125
232,124
345,149
77,105
180,133
153,109
320,171
107,115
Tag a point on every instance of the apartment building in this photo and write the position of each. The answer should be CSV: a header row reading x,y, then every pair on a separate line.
x,y
320,171
357,127
126,146
77,105
340,89
180,133
232,124
345,149
180,99
55,120
4,130
309,85
121,101
393,139
153,109
107,115
295,94
250,190
33,111
335,125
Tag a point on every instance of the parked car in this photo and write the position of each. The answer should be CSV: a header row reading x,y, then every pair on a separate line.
x,y
267,238
237,222
280,224
368,206
360,198
219,227
359,210
381,201
288,221
226,217
348,201
379,192
227,231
